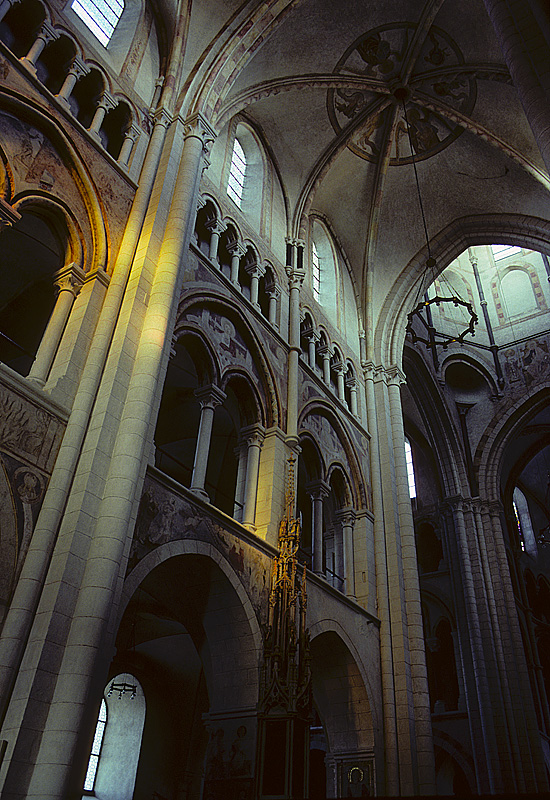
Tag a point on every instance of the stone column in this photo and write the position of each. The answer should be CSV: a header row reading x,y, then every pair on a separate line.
x,y
254,437
274,293
312,339
340,578
68,282
105,104
46,35
56,773
216,228
351,383
326,354
296,277
209,397
130,137
237,251
339,370
5,6
415,633
317,490
346,518
78,70
241,452
256,271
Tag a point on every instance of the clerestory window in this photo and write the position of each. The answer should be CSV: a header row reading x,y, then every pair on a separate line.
x,y
316,273
237,173
504,250
100,16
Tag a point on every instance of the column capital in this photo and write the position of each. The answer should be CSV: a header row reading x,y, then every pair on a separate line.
x,y
351,382
326,351
107,101
236,249
339,367
255,269
162,117
273,290
8,214
78,68
253,434
296,277
210,396
295,242
133,132
69,279
215,225
48,33
394,376
311,335
198,126
346,517
318,489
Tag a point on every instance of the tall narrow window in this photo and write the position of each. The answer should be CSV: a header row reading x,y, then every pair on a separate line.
x,y
237,172
100,16
316,272
410,469
96,748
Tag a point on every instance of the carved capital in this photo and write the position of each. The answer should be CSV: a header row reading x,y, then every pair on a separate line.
x,y
217,226
78,68
273,290
326,351
236,249
107,102
162,117
253,435
198,126
296,278
47,33
346,517
318,490
339,367
210,396
8,215
133,132
69,279
255,270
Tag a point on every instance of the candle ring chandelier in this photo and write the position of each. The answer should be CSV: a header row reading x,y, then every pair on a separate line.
x,y
433,338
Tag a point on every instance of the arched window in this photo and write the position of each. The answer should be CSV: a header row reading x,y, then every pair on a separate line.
x,y
100,16
315,273
410,469
91,772
527,538
237,173
113,763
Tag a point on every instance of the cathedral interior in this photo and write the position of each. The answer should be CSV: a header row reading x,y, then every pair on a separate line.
x,y
274,399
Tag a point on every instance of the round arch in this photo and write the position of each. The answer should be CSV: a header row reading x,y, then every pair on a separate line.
x,y
389,336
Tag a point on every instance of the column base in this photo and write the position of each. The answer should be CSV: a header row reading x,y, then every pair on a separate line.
x,y
201,493
28,65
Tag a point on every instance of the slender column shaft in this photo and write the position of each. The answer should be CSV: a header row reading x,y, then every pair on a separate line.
x,y
69,282
68,85
325,352
311,351
347,520
5,6
45,36
241,452
98,117
254,439
216,228
130,138
353,398
340,382
339,559
209,398
274,294
237,252
295,279
317,491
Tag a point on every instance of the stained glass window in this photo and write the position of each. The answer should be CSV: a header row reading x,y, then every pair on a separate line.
x,y
237,172
96,748
100,16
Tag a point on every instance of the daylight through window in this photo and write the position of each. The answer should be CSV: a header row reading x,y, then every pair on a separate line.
x,y
504,250
316,270
237,171
410,469
96,748
100,16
